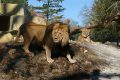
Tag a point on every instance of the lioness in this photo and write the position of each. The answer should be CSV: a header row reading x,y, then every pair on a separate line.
x,y
51,36
85,35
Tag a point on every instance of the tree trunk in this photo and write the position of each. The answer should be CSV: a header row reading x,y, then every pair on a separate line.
x,y
117,42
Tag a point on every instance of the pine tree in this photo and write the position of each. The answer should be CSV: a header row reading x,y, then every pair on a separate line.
x,y
15,1
51,9
106,30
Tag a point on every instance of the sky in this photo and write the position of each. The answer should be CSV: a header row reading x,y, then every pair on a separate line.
x,y
73,9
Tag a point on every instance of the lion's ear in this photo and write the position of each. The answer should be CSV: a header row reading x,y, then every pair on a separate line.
x,y
56,25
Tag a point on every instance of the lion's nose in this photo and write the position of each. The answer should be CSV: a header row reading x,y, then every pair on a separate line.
x,y
55,38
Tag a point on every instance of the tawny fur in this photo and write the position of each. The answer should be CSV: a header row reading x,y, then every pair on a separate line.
x,y
84,37
48,36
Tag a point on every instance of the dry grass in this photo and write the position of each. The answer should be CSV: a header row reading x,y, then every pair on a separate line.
x,y
14,65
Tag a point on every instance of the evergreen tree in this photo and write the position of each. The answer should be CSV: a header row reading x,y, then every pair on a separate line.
x,y
101,12
51,9
15,1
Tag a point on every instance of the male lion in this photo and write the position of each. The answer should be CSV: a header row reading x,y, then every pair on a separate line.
x,y
50,36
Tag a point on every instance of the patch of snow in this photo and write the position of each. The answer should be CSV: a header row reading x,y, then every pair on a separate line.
x,y
112,55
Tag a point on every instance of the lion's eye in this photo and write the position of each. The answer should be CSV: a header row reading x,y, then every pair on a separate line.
x,y
55,32
59,33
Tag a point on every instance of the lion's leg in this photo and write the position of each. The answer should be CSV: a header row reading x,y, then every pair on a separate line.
x,y
70,59
48,54
27,41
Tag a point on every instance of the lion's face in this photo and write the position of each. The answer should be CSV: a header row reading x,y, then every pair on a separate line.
x,y
60,34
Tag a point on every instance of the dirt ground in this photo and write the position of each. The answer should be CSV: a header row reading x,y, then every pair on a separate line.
x,y
15,65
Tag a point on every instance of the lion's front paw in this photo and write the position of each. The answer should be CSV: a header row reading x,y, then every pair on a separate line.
x,y
72,61
30,54
50,60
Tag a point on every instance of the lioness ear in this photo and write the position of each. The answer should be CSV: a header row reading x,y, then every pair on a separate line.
x,y
56,25
67,21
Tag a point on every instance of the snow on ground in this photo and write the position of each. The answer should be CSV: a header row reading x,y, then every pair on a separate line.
x,y
112,55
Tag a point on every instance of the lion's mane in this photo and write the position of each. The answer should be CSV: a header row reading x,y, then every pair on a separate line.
x,y
59,33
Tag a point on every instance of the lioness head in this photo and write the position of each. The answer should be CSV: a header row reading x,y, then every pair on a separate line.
x,y
60,33
85,32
